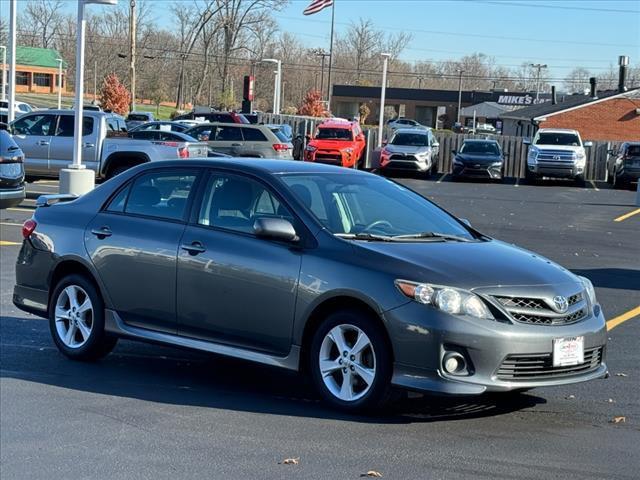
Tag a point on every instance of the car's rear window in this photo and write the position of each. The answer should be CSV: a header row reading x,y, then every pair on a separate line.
x,y
137,117
334,134
280,134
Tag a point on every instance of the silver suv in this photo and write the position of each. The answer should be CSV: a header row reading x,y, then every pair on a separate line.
x,y
240,140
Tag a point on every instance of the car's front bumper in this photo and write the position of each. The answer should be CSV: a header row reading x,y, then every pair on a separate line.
x,y
422,336
555,170
408,163
477,171
10,197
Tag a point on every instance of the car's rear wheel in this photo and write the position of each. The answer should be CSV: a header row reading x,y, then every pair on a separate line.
x,y
350,362
76,320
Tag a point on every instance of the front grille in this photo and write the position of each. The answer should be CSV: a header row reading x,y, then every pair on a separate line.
x,y
556,156
330,158
403,158
536,311
540,366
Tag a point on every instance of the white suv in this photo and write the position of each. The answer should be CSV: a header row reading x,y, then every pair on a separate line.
x,y
557,153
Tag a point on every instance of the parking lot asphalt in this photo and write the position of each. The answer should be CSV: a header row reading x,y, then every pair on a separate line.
x,y
148,411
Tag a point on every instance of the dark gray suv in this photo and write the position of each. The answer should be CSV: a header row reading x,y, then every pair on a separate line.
x,y
359,281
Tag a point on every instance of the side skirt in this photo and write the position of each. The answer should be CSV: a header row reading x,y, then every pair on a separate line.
x,y
115,325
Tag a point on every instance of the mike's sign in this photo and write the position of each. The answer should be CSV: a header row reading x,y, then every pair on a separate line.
x,y
521,100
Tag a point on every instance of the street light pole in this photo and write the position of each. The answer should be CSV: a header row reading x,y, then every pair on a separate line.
x,y
4,71
76,179
278,85
538,67
59,60
383,94
12,60
95,82
275,90
459,95
132,54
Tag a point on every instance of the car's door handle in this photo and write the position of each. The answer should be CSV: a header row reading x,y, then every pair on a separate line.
x,y
88,145
42,143
194,248
102,232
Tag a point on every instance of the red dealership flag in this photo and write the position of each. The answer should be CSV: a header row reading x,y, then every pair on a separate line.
x,y
316,6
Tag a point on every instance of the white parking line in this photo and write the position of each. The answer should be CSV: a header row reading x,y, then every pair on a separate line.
x,y
17,209
517,182
8,224
442,177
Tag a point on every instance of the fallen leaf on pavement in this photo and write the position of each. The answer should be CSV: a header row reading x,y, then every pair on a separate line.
x,y
570,397
619,420
371,473
290,461
621,374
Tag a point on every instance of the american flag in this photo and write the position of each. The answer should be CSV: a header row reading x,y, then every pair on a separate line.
x,y
316,6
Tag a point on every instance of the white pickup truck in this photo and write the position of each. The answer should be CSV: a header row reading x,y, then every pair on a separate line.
x,y
557,152
46,138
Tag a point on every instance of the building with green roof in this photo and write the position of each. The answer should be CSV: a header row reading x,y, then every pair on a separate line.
x,y
37,70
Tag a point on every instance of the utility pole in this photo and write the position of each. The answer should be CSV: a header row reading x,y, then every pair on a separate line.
x,y
132,54
538,67
95,82
4,71
459,94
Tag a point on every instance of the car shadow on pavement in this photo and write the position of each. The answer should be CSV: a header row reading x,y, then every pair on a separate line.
x,y
618,278
171,376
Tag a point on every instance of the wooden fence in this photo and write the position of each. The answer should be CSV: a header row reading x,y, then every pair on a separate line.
x,y
514,148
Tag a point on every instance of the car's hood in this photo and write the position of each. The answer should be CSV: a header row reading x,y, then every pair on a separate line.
x,y
331,144
466,265
406,149
481,159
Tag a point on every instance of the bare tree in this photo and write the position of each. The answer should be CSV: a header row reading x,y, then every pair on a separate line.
x,y
577,81
43,17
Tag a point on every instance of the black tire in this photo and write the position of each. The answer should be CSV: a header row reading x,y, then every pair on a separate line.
x,y
580,181
531,178
379,393
99,343
618,183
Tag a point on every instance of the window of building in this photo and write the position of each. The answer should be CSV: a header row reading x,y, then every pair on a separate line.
x,y
22,78
42,79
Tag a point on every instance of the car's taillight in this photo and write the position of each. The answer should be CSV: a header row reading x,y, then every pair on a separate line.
x,y
28,227
279,147
183,152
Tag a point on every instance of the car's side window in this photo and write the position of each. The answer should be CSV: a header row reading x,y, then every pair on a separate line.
x,y
234,203
40,125
204,133
228,134
161,194
253,135
118,202
66,124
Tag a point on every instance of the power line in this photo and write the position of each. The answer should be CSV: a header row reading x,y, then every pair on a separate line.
x,y
538,6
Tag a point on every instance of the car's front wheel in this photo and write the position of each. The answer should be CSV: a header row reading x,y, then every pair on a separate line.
x,y
76,320
351,361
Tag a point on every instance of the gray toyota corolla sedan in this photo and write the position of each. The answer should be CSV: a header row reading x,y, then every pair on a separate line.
x,y
348,276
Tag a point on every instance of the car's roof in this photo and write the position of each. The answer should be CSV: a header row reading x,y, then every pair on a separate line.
x,y
557,130
256,165
336,124
419,131
479,140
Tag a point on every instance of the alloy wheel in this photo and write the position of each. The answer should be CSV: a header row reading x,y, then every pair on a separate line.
x,y
74,316
347,362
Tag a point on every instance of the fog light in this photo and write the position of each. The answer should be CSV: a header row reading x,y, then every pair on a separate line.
x,y
454,363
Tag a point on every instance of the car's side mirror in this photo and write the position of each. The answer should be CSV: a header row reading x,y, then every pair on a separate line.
x,y
526,141
465,221
455,152
612,152
385,143
587,144
275,229
435,145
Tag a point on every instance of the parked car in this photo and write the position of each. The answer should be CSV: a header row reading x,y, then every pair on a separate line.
x,y
252,117
402,122
244,140
558,153
171,126
623,165
362,281
410,149
12,190
479,159
214,117
337,142
189,123
20,108
138,118
287,131
46,138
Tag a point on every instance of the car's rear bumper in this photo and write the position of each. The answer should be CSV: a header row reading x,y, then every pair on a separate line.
x,y
422,338
31,300
10,197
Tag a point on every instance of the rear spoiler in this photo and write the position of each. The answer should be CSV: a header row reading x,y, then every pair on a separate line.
x,y
48,200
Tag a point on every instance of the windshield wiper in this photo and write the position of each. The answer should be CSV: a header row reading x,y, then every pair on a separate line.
x,y
371,237
443,236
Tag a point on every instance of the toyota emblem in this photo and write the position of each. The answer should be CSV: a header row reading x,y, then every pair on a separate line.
x,y
561,303
556,157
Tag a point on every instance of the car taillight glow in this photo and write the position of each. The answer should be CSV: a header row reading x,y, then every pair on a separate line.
x,y
183,152
28,227
279,147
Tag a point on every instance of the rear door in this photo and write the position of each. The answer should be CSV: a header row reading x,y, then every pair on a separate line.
x,y
61,152
33,133
256,143
133,243
228,139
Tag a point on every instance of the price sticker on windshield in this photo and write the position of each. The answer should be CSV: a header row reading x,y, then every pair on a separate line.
x,y
568,351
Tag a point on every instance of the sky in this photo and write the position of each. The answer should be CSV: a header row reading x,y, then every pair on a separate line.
x,y
563,34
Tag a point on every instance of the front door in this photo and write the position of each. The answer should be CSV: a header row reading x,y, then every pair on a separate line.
x,y
33,134
228,139
233,287
61,152
133,244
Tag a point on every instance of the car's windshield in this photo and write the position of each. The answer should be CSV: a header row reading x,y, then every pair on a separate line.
x,y
480,148
550,138
365,204
411,139
334,134
633,151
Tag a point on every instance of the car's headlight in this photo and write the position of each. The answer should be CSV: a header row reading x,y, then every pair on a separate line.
x,y
311,148
348,150
533,156
588,287
453,301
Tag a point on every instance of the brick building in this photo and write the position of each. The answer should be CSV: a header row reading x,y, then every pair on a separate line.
x,y
610,116
37,70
